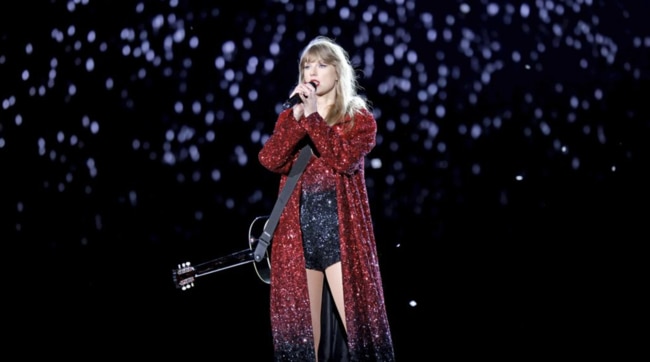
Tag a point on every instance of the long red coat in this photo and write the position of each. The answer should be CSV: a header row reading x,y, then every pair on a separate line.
x,y
341,149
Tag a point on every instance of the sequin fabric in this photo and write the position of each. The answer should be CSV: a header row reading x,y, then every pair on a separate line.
x,y
341,151
319,225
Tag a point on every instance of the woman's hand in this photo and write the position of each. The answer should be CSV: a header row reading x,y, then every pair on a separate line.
x,y
307,93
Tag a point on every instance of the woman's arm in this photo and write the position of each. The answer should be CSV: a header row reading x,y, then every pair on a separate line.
x,y
341,148
279,151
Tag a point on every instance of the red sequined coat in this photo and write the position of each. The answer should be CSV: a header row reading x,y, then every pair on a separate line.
x,y
342,150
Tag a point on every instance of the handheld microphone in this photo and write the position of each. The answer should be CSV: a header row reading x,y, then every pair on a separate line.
x,y
295,99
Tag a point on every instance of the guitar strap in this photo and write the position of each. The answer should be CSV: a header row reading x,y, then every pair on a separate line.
x,y
295,172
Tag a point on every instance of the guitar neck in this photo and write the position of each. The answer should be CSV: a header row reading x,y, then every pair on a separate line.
x,y
224,262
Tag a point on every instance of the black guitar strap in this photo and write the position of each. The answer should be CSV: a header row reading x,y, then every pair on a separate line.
x,y
272,222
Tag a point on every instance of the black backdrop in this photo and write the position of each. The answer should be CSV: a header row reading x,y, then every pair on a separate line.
x,y
508,185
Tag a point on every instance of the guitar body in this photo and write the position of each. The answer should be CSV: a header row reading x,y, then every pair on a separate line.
x,y
186,274
262,267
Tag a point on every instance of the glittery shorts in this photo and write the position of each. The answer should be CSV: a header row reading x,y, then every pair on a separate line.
x,y
320,229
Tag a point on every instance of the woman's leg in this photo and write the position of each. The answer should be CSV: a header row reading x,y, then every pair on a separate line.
x,y
335,281
315,287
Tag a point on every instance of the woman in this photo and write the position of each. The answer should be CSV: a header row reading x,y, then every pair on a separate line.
x,y
327,301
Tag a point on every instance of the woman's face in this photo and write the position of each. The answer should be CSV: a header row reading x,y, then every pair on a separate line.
x,y
324,74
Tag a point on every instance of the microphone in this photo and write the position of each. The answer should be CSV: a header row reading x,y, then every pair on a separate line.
x,y
295,99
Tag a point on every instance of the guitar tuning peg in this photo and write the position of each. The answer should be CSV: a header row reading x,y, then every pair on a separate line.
x,y
187,286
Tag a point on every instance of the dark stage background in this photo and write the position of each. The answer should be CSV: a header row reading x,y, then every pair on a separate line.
x,y
508,185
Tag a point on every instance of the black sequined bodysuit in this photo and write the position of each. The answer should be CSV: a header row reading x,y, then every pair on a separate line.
x,y
319,220
320,229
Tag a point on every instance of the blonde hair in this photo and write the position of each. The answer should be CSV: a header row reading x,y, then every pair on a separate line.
x,y
347,101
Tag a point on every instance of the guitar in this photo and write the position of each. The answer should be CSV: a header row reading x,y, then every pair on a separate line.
x,y
186,274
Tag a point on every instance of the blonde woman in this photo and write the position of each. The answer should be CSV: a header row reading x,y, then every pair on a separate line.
x,y
327,301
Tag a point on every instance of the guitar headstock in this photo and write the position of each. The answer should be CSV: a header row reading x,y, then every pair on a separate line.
x,y
184,276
